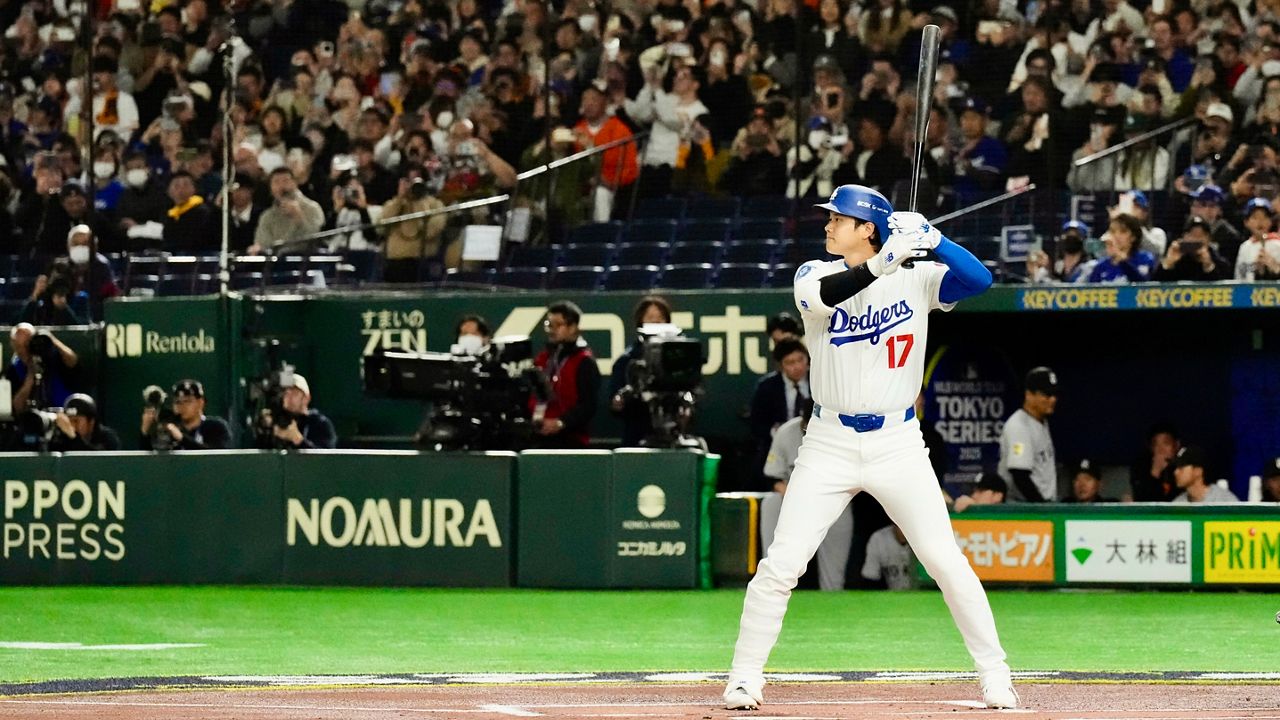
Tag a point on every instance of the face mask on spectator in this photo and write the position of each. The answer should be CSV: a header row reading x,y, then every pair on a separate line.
x,y
269,160
137,177
79,254
104,170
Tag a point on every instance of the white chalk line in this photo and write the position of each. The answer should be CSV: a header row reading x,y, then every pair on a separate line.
x,y
510,710
126,647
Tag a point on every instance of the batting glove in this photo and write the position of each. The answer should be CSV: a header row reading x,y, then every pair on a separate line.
x,y
913,223
899,249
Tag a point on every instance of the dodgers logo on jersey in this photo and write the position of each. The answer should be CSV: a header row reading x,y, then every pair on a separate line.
x,y
870,325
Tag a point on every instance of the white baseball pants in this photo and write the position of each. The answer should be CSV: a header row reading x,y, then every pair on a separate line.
x,y
833,553
834,464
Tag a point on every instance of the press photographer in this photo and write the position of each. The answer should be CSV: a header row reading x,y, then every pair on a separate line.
x,y
187,427
294,424
78,428
664,377
39,368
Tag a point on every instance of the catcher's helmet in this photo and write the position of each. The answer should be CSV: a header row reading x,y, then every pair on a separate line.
x,y
864,203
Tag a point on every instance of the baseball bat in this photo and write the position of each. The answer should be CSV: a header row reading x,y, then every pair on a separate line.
x,y
924,101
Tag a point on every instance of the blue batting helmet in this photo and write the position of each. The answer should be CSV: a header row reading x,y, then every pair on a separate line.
x,y
864,203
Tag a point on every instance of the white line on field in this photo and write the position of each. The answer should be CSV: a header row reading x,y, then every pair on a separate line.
x,y
346,709
140,647
510,710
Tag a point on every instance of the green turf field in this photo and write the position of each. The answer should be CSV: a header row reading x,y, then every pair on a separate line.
x,y
306,631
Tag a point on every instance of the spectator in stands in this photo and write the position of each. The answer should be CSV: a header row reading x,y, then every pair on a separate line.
x,y
978,159
884,24
413,244
245,213
618,169
1026,447
671,112
876,162
757,167
348,208
1190,475
107,187
1207,203
1193,256
308,428
1037,136
563,418
726,94
889,560
143,199
990,489
1124,260
1259,256
1144,166
48,304
779,396
1151,475
1271,481
1104,131
378,183
190,226
291,218
1073,263
198,160
471,169
79,429
624,401
75,204
193,430
113,109
1086,484
83,274
31,348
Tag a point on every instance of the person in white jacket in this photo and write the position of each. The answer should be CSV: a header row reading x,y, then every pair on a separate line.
x,y
672,116
113,108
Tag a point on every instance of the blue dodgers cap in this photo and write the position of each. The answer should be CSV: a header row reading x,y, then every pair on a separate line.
x,y
1077,226
1141,200
974,104
864,203
1258,203
1209,194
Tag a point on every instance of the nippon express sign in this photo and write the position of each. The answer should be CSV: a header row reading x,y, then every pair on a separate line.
x,y
1128,551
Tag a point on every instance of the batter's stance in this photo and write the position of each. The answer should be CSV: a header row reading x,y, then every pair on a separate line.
x,y
866,319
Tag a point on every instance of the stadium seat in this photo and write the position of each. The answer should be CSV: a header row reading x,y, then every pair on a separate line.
x,y
142,265
751,251
484,277
632,277
595,233
743,275
586,255
783,276
327,265
528,278
706,230
811,228
19,288
765,206
640,253
175,285
691,276
668,208
683,253
985,248
528,256
366,265
806,250
576,278
725,208
651,230
285,278
247,281
29,266
139,285
760,229
205,284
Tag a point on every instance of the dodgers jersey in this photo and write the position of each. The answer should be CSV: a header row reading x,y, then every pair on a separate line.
x,y
867,354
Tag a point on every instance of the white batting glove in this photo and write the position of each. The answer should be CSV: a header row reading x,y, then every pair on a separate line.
x,y
913,223
899,249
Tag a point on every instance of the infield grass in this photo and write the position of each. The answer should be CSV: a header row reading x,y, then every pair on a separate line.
x,y
358,630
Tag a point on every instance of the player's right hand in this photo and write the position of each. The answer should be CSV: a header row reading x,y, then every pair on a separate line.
x,y
900,248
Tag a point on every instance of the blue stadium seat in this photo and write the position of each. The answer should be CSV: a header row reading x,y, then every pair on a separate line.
x,y
327,265
760,229
576,278
811,228
743,275
528,278
595,233
366,265
766,206
176,285
651,230
29,266
139,285
284,278
205,284
713,207
586,255
142,265
19,288
528,256
706,230
246,281
806,250
783,276
683,253
482,277
640,253
751,251
631,277
691,276
668,208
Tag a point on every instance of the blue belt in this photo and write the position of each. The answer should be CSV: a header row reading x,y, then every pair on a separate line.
x,y
866,422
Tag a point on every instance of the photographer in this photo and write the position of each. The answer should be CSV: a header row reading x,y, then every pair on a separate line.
x,y
1193,257
188,428
301,427
412,241
79,429
472,336
570,370
291,217
39,367
636,422
350,209
757,167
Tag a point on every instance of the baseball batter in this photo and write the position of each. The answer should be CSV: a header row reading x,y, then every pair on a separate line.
x,y
867,320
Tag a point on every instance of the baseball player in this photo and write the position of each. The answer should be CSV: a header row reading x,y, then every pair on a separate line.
x,y
866,318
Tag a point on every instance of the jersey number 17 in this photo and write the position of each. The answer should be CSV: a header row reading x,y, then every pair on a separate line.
x,y
905,342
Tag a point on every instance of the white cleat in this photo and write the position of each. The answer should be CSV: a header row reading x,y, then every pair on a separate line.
x,y
738,697
1000,695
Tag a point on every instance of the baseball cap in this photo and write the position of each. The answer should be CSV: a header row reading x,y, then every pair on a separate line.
x,y
1077,226
190,388
826,62
1140,199
301,383
993,482
975,104
1272,468
946,13
1220,110
80,405
1200,222
1088,467
1258,203
73,187
1209,194
80,229
1042,380
1189,456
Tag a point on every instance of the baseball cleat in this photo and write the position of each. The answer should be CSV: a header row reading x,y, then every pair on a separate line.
x,y
1000,696
738,697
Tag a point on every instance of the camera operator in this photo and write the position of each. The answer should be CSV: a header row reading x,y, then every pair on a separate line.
x,y
79,429
80,272
632,409
39,368
472,336
192,429
300,426
570,370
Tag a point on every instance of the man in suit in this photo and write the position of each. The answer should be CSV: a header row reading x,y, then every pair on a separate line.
x,y
779,396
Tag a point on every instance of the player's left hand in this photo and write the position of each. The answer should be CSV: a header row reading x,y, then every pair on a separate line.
x,y
913,223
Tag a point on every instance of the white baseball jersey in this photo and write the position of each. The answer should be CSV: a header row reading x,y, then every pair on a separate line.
x,y
868,353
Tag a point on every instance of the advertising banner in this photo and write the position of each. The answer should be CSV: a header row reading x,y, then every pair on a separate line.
x,y
1242,551
1128,551
1008,550
969,391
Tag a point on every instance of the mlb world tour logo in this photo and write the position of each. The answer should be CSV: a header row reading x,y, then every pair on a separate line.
x,y
130,340
337,523
77,521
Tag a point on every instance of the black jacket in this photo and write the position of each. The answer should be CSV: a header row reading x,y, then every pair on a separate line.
x,y
317,433
102,438
211,434
195,231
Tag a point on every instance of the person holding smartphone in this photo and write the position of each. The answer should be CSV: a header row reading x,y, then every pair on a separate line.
x,y
1259,256
1125,261
1193,257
